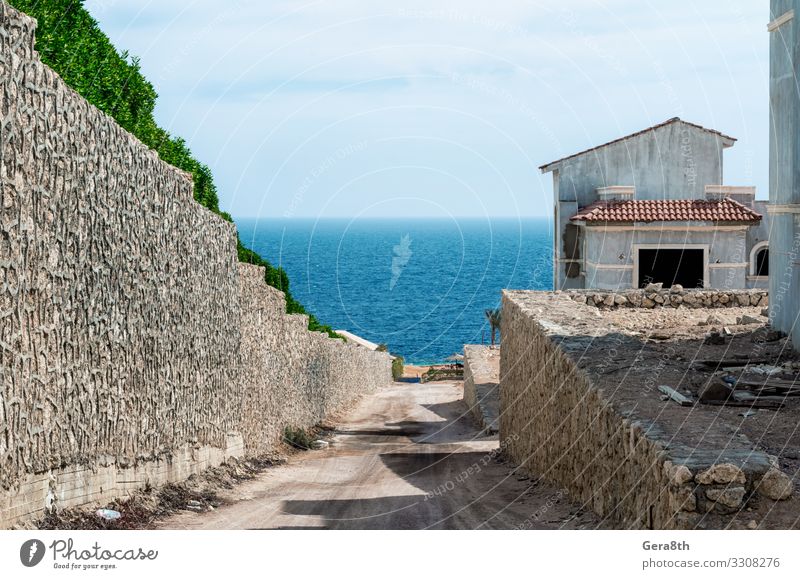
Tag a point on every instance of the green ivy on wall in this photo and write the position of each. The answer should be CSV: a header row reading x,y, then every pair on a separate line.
x,y
70,42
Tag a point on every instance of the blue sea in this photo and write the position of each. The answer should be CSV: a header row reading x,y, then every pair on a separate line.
x,y
419,286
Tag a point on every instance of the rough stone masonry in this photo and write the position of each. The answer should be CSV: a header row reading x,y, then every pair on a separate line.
x,y
580,406
135,348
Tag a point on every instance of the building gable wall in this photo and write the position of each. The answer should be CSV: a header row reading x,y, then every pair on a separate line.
x,y
675,161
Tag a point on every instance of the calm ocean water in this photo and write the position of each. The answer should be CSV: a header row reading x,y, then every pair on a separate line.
x,y
420,286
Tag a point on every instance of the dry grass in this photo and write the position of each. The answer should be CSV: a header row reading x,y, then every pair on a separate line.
x,y
142,509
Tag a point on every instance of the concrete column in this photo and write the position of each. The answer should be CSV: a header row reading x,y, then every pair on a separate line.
x,y
784,166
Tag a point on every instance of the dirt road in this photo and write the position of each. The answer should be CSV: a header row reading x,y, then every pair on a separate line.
x,y
408,457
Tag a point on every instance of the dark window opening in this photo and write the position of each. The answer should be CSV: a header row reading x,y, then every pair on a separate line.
x,y
762,262
671,266
572,240
572,269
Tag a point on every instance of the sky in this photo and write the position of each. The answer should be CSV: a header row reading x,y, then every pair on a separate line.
x,y
356,109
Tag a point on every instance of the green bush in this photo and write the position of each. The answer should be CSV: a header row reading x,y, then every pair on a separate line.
x,y
297,437
70,42
435,374
397,368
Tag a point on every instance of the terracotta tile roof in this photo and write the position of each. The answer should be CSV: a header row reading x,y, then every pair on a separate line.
x,y
642,210
548,167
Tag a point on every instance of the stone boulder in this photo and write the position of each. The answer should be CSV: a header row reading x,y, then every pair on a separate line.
x,y
775,485
714,390
730,497
677,474
723,473
635,299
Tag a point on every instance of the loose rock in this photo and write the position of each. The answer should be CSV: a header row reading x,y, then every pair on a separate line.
x,y
730,497
723,473
683,499
773,335
775,485
681,475
714,390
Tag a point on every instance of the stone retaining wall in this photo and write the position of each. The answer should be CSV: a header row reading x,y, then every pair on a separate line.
x,y
135,348
656,297
290,376
481,385
560,426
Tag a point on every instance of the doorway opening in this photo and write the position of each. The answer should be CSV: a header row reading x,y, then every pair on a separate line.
x,y
672,266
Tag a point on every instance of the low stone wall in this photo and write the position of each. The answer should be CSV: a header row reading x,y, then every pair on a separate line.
x,y
134,348
560,426
482,385
657,297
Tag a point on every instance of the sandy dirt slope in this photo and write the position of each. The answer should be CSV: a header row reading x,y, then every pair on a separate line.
x,y
408,457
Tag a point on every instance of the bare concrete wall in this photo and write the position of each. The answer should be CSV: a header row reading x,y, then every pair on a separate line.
x,y
784,170
133,350
673,161
611,253
756,236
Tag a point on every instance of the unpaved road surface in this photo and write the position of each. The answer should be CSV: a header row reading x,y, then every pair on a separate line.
x,y
408,457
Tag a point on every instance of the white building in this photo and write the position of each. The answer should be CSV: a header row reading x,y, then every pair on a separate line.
x,y
649,207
